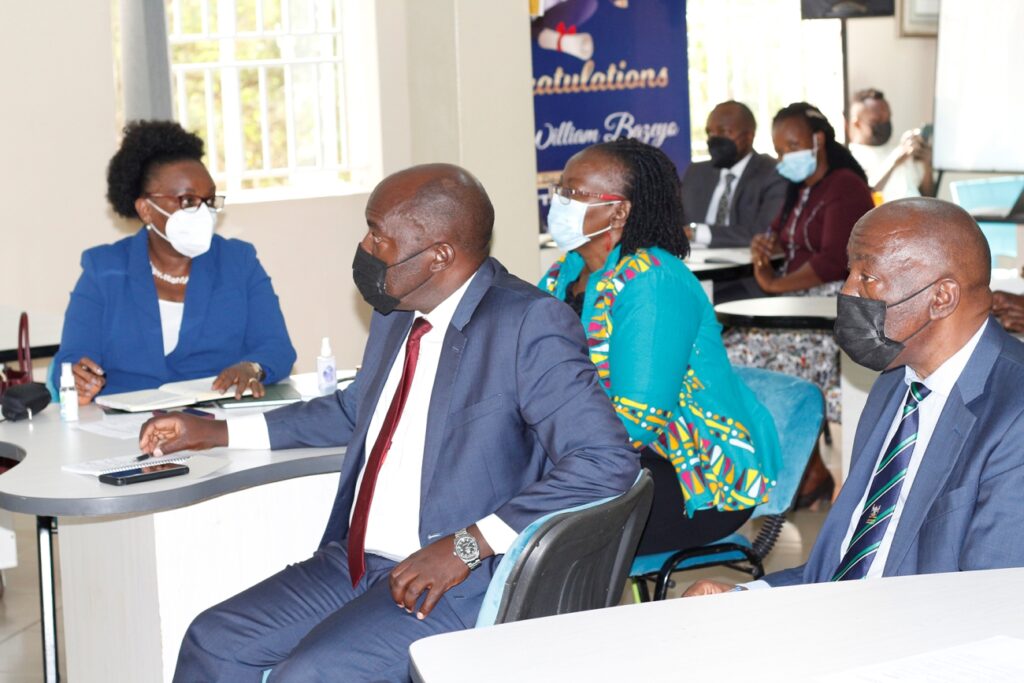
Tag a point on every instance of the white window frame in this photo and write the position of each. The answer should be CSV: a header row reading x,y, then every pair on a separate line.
x,y
357,120
738,38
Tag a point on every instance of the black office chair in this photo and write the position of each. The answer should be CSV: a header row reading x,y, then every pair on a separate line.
x,y
570,561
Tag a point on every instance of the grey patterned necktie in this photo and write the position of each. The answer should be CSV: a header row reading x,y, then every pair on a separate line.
x,y
722,213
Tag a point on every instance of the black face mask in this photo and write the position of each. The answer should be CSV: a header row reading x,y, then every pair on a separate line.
x,y
881,131
723,151
370,275
860,330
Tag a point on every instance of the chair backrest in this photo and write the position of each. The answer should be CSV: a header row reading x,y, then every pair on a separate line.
x,y
798,408
570,561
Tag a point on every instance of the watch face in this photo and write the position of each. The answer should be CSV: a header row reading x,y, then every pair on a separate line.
x,y
466,548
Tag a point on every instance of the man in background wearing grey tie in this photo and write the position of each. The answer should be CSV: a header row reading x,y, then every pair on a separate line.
x,y
735,195
938,458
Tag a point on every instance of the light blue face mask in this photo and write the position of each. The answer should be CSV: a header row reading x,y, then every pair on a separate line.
x,y
565,222
798,166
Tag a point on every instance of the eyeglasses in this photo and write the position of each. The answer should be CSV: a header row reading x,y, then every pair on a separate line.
x,y
567,194
190,203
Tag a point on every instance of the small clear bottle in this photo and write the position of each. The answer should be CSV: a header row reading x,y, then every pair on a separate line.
x,y
326,370
68,394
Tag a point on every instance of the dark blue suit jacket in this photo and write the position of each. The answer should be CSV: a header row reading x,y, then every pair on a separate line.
x,y
964,510
517,422
231,314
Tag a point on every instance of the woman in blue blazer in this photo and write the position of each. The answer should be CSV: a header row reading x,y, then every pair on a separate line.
x,y
710,445
174,301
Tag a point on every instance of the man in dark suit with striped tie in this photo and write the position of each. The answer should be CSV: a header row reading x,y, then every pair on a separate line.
x,y
734,196
938,458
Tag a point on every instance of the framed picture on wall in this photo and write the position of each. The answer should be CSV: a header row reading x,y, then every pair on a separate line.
x,y
919,18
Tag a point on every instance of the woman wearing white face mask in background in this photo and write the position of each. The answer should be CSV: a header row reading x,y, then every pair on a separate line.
x,y
656,343
175,301
827,194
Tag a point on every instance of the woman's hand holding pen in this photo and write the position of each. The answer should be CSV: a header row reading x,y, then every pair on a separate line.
x,y
89,379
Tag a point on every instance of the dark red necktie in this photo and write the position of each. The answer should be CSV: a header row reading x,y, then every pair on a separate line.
x,y
357,527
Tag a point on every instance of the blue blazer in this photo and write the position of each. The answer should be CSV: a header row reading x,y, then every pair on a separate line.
x,y
517,422
231,314
964,510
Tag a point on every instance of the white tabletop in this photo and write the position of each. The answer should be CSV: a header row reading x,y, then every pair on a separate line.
x,y
39,486
805,312
44,331
779,634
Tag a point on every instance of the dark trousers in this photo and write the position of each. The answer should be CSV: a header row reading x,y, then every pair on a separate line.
x,y
668,528
309,624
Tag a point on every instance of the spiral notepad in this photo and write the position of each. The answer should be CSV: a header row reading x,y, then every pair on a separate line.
x,y
125,462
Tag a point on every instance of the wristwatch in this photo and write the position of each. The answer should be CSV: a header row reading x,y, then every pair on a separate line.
x,y
467,549
261,374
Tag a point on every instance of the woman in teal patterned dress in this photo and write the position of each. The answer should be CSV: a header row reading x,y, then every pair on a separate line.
x,y
710,445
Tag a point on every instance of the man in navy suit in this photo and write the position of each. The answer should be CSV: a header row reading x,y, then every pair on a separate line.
x,y
489,413
938,458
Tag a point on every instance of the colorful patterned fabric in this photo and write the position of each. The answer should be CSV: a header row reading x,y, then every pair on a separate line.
x,y
703,432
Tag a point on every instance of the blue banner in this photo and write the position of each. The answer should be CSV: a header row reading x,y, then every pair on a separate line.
x,y
604,69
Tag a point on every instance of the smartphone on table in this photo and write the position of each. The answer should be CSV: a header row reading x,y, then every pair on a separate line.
x,y
137,474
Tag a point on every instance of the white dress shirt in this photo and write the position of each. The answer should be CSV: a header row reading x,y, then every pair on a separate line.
x,y
702,234
940,383
392,528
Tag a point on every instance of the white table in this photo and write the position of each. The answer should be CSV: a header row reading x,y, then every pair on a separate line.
x,y
44,331
779,634
139,562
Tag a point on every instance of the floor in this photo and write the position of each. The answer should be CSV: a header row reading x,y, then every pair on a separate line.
x,y
20,637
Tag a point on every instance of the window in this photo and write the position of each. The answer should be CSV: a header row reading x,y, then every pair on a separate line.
x,y
761,53
282,92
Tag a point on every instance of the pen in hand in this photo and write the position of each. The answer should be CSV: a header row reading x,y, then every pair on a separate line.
x,y
144,456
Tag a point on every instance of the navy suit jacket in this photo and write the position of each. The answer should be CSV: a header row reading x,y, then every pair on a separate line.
x,y
517,422
231,314
964,510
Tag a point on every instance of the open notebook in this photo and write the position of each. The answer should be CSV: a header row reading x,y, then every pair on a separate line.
x,y
171,395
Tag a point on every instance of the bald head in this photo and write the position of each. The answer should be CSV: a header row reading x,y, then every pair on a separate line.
x,y
924,235
446,202
929,262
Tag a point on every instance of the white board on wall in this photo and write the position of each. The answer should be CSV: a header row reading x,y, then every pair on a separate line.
x,y
979,86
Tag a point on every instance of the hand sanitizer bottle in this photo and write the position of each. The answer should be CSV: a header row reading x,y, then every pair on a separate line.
x,y
326,373
68,394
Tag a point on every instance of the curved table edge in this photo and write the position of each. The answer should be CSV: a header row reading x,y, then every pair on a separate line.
x,y
210,487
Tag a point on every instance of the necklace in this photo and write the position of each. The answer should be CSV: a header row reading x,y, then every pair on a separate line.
x,y
169,279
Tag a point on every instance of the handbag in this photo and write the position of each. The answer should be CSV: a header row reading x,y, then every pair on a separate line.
x,y
22,374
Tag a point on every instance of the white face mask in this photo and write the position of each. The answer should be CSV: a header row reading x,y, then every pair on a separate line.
x,y
189,232
565,222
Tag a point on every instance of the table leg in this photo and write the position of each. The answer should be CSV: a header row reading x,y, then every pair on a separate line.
x,y
47,601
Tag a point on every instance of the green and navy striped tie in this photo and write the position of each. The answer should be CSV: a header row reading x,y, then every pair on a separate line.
x,y
884,491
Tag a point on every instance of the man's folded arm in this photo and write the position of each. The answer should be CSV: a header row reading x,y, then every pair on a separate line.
x,y
560,399
321,422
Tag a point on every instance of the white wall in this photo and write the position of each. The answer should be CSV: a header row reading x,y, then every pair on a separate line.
x,y
902,68
443,96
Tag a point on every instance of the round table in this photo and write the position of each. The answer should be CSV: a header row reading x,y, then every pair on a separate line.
x,y
791,312
719,265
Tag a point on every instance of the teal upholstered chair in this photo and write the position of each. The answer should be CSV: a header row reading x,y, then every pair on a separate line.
x,y
797,407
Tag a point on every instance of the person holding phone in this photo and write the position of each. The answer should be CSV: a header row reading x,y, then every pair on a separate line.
x,y
175,301
895,169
